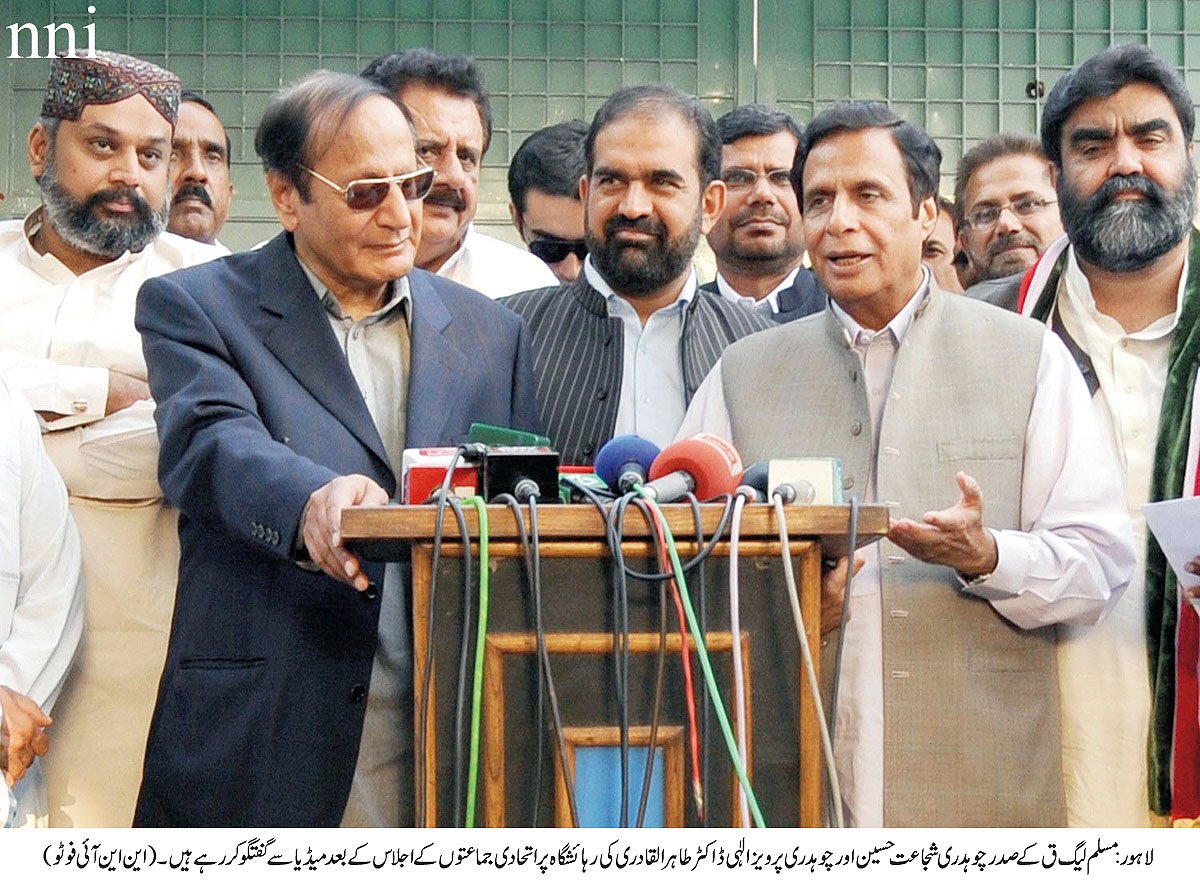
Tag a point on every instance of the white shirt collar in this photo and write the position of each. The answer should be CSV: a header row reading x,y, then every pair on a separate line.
x,y
726,290
601,286
899,324
1080,289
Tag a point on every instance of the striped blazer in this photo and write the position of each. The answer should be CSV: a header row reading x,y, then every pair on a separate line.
x,y
578,353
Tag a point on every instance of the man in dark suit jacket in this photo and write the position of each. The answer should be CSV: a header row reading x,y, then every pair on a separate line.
x,y
288,381
623,348
758,240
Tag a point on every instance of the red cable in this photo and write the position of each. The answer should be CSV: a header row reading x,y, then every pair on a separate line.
x,y
685,653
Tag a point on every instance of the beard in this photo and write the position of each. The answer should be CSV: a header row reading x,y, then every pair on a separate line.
x,y
643,267
1128,235
81,223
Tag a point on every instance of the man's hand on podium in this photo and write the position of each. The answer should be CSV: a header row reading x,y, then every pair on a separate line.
x,y
833,592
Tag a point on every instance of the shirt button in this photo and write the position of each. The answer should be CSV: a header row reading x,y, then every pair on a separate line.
x,y
601,394
848,482
855,428
371,592
79,405
355,334
854,376
358,693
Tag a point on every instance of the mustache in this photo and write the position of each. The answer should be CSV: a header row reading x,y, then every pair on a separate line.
x,y
140,208
645,225
1009,241
193,190
755,214
445,196
1143,185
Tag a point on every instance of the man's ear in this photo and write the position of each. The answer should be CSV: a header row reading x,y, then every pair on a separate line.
x,y
39,150
583,189
927,213
286,198
714,205
1055,172
517,222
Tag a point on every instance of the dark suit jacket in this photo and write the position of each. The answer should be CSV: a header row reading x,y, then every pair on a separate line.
x,y
262,698
806,296
579,351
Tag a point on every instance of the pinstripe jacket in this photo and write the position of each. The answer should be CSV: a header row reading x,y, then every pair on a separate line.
x,y
578,355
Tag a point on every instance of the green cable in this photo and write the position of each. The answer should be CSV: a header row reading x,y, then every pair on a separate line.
x,y
702,652
480,641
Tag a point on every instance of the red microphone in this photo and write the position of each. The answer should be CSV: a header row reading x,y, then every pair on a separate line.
x,y
704,464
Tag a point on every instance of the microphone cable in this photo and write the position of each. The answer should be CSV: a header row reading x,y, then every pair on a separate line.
x,y
810,670
540,720
620,574
735,630
544,656
621,678
702,604
480,640
706,666
443,499
657,523
851,546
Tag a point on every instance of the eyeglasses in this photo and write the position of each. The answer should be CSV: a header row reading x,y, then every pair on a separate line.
x,y
987,217
552,250
367,194
741,179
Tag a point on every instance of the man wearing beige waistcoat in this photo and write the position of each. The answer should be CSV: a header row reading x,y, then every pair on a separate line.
x,y
948,713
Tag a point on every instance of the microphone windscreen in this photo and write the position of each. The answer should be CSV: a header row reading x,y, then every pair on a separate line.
x,y
711,461
621,451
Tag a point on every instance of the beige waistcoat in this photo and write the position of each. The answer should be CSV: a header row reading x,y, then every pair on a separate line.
x,y
971,711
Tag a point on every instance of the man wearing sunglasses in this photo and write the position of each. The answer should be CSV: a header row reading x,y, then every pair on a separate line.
x,y
289,380
543,185
757,240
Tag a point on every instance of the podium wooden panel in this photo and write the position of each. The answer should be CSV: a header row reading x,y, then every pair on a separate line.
x,y
785,747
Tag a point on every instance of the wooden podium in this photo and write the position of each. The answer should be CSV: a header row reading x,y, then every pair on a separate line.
x,y
520,782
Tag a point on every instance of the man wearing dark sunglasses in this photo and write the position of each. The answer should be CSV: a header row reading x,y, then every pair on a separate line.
x,y
543,184
289,380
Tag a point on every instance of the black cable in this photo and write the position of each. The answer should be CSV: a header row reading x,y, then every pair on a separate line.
x,y
851,546
544,655
540,720
621,667
442,497
705,740
700,556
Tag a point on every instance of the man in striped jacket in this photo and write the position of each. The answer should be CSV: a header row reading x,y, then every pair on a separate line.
x,y
623,348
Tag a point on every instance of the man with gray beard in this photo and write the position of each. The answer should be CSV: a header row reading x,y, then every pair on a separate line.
x,y
1122,290
100,152
622,348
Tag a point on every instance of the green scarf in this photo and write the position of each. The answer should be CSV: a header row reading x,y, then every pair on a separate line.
x,y
1170,459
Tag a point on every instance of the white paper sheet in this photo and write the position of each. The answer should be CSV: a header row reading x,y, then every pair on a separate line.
x,y
1176,526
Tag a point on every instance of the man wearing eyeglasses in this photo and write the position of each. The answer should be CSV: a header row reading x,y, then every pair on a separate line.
x,y
543,187
757,239
1008,212
289,380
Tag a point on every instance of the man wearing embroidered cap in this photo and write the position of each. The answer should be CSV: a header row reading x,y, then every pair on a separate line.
x,y
100,153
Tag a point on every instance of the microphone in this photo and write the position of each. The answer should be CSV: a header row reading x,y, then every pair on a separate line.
x,y
625,461
756,478
703,464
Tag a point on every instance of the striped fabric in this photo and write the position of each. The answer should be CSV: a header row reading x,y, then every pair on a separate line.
x,y
578,355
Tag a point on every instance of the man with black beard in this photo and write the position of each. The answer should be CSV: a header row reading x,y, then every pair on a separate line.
x,y
100,152
623,348
1122,289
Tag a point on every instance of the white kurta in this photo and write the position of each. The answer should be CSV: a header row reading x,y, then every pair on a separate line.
x,y
70,330
1105,685
495,268
41,582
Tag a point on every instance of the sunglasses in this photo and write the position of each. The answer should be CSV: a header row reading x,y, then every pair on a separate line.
x,y
367,194
552,250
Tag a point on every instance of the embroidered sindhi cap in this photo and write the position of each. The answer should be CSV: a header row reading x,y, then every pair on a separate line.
x,y
107,77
